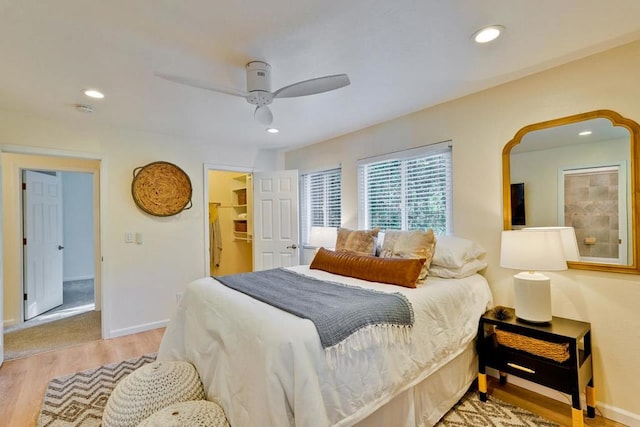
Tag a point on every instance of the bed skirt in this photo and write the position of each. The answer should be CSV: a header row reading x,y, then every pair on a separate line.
x,y
425,403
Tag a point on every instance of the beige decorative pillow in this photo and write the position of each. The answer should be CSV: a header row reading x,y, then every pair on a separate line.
x,y
395,271
410,244
359,242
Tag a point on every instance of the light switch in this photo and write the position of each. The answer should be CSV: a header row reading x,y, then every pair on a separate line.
x,y
139,238
128,237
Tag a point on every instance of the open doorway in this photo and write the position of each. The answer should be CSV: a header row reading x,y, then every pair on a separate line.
x,y
79,173
230,228
271,221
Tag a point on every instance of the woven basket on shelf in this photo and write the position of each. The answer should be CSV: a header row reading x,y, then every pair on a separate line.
x,y
161,189
558,352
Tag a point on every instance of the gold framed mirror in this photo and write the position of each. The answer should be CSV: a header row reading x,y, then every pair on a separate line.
x,y
579,171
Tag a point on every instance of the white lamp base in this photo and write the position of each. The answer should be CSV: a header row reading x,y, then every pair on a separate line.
x,y
533,297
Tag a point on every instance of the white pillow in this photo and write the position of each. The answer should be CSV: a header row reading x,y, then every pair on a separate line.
x,y
379,242
455,252
466,270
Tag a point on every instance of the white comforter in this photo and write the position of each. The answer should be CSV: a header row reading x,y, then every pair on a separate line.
x,y
266,367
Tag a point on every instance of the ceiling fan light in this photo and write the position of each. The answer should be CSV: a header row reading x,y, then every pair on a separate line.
x,y
487,34
263,115
273,130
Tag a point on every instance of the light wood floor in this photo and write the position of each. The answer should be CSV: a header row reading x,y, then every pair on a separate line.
x,y
545,407
24,381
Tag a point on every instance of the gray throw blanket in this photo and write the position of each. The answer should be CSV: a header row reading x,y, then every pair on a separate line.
x,y
337,310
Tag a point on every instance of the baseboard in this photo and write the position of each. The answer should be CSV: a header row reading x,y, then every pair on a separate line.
x,y
135,329
608,411
619,415
76,278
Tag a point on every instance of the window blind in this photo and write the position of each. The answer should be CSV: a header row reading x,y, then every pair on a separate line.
x,y
321,201
410,190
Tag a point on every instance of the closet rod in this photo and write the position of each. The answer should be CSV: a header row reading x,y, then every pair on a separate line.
x,y
220,205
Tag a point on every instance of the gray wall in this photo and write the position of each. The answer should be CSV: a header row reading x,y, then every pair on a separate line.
x,y
77,195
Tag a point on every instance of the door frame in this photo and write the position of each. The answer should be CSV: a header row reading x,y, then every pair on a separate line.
x,y
13,162
205,203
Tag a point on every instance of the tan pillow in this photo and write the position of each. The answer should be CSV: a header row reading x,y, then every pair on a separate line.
x,y
395,271
410,244
359,242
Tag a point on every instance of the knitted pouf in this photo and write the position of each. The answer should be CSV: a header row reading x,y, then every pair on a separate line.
x,y
196,413
150,388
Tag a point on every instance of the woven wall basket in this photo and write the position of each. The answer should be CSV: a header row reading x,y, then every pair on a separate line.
x,y
161,189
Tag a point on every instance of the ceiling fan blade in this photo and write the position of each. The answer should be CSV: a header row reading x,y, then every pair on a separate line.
x,y
201,85
313,86
264,115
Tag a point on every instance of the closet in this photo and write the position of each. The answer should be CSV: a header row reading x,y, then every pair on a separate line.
x,y
230,222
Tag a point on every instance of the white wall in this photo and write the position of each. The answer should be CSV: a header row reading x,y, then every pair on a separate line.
x,y
140,282
479,126
77,216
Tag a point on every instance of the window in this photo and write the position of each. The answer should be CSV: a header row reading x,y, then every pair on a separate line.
x,y
408,190
320,201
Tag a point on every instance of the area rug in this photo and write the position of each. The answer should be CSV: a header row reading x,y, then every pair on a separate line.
x,y
62,333
471,412
79,399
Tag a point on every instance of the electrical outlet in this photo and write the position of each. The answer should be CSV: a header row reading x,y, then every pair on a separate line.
x,y
139,238
128,237
178,297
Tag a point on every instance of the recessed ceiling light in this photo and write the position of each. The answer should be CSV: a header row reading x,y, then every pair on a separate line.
x,y
273,130
585,133
92,93
487,34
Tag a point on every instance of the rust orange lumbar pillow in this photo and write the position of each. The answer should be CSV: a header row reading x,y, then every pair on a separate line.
x,y
395,271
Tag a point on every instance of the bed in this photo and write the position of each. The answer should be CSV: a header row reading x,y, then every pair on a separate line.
x,y
267,367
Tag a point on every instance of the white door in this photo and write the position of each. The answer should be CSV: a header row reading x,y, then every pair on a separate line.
x,y
42,212
275,224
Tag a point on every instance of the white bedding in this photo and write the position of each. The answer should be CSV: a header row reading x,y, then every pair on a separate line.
x,y
264,365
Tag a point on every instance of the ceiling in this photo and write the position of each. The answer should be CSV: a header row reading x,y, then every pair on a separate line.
x,y
401,56
569,134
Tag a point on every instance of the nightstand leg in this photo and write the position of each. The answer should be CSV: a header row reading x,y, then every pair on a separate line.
x,y
482,387
576,416
503,378
590,393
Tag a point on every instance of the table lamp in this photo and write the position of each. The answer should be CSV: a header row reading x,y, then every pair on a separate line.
x,y
532,251
323,237
568,237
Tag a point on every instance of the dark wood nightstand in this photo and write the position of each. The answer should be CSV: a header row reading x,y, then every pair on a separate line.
x,y
532,363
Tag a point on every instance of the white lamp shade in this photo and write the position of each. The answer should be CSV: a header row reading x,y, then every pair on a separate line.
x,y
568,237
534,250
323,237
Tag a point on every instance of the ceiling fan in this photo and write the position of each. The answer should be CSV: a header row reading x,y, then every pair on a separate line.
x,y
259,88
